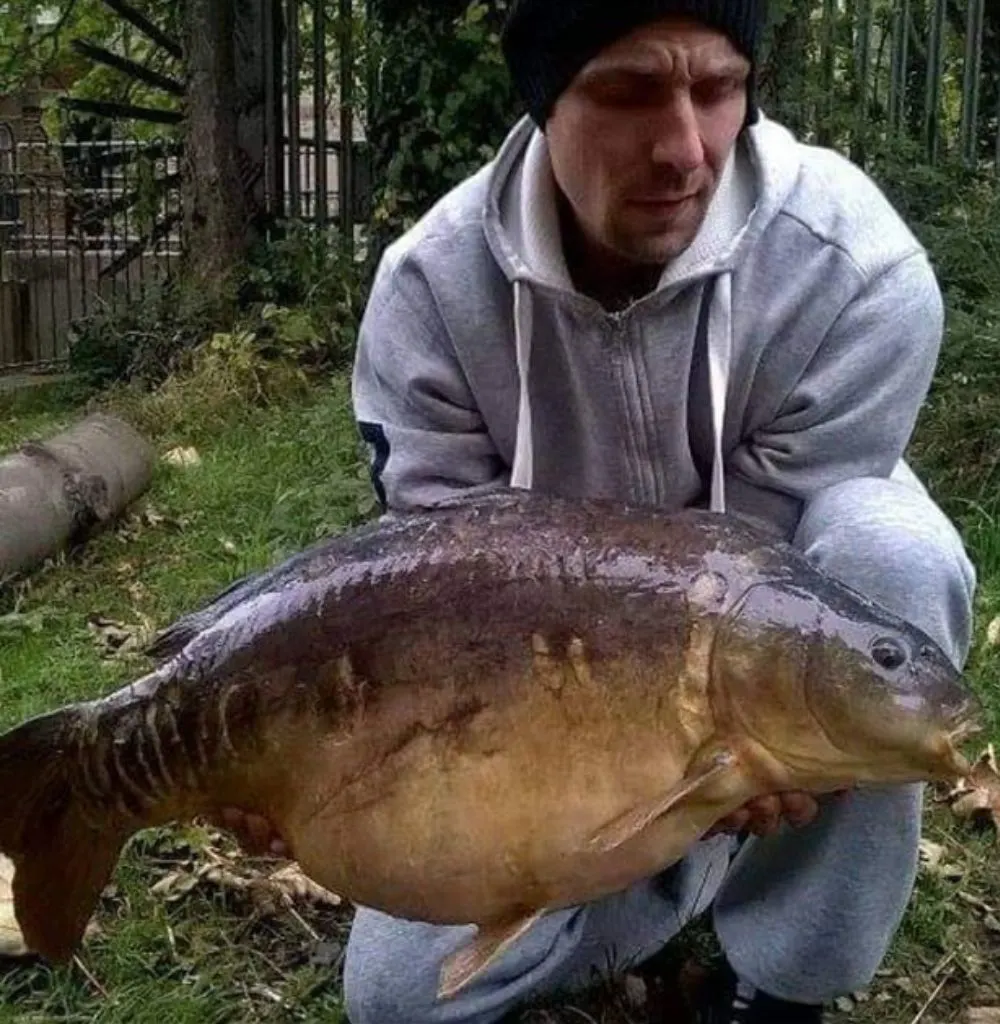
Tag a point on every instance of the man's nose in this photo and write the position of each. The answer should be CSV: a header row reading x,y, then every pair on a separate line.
x,y
677,134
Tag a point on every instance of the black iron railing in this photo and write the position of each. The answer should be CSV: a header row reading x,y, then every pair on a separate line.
x,y
80,224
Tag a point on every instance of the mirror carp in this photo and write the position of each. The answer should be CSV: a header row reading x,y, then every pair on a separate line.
x,y
484,711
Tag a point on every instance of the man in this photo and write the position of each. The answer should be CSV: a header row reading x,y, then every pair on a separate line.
x,y
655,293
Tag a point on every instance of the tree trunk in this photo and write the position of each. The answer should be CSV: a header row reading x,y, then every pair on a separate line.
x,y
216,209
53,494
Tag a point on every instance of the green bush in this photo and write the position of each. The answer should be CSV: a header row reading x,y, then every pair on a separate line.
x,y
445,102
141,337
298,295
303,267
954,211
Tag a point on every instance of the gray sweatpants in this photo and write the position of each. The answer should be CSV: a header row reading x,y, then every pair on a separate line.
x,y
806,914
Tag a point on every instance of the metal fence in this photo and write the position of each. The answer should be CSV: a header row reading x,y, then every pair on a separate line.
x,y
314,192
853,73
298,65
84,226
81,225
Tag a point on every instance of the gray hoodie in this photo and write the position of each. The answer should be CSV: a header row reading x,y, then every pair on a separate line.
x,y
788,348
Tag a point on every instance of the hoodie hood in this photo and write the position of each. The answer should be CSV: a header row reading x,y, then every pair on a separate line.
x,y
522,230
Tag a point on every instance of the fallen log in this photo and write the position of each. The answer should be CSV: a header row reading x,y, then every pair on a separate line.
x,y
54,494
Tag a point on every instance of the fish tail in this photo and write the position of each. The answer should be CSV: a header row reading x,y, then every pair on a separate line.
x,y
62,860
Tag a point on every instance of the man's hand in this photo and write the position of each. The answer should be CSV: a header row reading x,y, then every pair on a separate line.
x,y
256,834
763,815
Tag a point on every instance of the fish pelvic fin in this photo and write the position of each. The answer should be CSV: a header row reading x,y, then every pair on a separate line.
x,y
62,860
708,769
470,960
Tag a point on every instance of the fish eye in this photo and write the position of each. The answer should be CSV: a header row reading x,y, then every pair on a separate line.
x,y
888,653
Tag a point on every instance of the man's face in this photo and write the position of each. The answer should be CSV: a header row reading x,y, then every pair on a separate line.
x,y
639,139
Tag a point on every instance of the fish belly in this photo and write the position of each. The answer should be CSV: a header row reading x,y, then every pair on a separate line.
x,y
494,816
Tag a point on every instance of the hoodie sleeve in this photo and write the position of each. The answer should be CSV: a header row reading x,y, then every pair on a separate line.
x,y
427,440
852,411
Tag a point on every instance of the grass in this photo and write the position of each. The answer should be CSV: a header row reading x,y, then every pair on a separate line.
x,y
271,479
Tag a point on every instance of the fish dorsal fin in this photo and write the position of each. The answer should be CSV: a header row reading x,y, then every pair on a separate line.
x,y
701,773
473,958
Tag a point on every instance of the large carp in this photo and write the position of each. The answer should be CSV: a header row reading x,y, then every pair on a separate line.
x,y
484,712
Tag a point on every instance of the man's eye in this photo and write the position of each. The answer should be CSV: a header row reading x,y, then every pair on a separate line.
x,y
712,90
626,92
614,94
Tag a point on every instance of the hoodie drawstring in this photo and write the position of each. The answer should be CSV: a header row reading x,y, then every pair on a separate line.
x,y
720,350
720,357
522,471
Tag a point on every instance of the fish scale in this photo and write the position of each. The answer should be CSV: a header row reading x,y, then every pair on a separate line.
x,y
483,712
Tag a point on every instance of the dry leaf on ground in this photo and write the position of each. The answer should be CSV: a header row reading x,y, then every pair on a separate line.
x,y
635,991
118,639
291,881
993,632
977,799
982,1015
932,861
11,939
270,890
182,456
131,526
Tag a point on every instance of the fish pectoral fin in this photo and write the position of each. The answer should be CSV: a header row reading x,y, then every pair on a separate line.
x,y
701,773
473,958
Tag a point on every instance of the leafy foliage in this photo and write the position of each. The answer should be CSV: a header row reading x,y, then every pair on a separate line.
x,y
827,72
445,103
36,45
956,213
304,266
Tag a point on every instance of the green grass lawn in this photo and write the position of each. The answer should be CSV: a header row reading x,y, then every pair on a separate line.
x,y
270,481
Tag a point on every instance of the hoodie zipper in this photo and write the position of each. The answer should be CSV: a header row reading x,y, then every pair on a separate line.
x,y
637,444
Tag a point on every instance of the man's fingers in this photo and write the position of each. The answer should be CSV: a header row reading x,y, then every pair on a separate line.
x,y
255,833
765,815
738,820
259,832
799,808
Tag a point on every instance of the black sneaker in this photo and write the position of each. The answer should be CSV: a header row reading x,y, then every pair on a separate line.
x,y
723,1001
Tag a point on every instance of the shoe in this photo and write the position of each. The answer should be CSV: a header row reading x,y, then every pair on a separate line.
x,y
723,1000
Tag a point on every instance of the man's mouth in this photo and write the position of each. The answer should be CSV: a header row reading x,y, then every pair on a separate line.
x,y
663,200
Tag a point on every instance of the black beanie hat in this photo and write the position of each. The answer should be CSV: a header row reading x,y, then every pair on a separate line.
x,y
546,42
